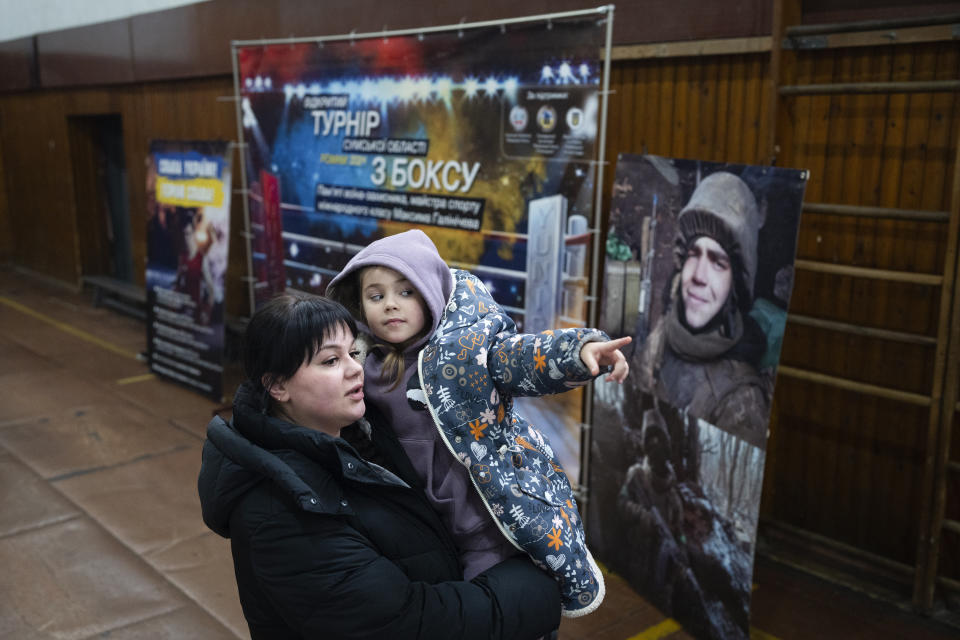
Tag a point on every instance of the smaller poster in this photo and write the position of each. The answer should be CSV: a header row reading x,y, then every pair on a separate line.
x,y
699,270
188,231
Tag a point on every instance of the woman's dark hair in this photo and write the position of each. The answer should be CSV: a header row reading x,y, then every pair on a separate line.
x,y
285,333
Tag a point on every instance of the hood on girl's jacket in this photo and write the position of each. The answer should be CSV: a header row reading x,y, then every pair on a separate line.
x,y
411,254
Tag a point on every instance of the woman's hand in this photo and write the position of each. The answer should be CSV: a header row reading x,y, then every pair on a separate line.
x,y
607,354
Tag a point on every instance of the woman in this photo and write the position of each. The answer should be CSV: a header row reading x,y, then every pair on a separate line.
x,y
328,542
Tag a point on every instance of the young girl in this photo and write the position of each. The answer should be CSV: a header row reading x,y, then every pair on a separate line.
x,y
445,363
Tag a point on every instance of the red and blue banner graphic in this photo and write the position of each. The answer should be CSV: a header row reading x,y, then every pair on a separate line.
x,y
188,230
484,137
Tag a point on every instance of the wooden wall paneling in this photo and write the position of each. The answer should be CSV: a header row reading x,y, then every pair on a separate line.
x,y
626,94
18,64
751,111
942,418
681,97
779,449
722,107
40,182
811,447
786,437
765,118
906,490
706,92
92,232
98,53
834,353
665,89
643,120
854,454
696,86
891,471
136,148
632,136
738,96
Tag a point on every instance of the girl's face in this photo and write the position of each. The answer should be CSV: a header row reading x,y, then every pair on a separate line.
x,y
394,310
327,393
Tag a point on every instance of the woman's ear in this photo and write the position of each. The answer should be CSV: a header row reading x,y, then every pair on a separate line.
x,y
275,388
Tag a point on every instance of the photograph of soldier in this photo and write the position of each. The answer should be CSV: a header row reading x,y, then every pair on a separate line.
x,y
699,271
704,352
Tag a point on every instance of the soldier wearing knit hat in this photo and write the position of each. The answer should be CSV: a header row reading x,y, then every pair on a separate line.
x,y
704,352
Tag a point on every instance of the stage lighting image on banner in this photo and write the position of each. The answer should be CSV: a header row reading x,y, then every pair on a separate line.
x,y
188,231
699,270
484,137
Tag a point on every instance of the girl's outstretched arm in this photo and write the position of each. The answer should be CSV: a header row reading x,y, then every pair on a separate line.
x,y
607,354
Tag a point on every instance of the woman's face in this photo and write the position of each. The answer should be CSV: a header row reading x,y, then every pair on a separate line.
x,y
705,281
327,393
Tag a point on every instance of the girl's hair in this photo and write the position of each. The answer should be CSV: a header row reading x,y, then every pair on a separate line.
x,y
393,364
285,333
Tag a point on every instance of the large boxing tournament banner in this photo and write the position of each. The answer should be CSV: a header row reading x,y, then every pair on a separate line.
x,y
699,270
188,231
485,136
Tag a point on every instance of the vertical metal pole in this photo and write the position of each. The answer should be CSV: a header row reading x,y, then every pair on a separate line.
x,y
595,253
773,94
241,147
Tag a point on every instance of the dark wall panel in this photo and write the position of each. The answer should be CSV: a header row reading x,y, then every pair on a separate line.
x,y
95,54
17,64
39,183
194,40
203,32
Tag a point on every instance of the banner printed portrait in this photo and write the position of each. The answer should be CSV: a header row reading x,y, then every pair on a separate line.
x,y
188,231
485,138
699,270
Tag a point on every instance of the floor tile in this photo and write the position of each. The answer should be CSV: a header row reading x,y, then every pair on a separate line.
x,y
22,360
28,501
38,394
145,514
189,410
91,437
189,621
203,568
72,580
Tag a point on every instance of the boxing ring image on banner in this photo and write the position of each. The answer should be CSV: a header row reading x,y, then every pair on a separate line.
x,y
699,270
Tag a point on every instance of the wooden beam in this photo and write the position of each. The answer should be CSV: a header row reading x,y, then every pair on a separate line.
x,y
929,279
945,373
853,385
876,212
685,48
878,38
872,25
932,86
773,82
855,329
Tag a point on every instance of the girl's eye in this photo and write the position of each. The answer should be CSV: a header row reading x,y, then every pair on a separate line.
x,y
376,297
406,292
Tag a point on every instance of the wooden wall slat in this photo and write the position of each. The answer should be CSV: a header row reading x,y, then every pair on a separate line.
x,y
737,98
665,84
718,148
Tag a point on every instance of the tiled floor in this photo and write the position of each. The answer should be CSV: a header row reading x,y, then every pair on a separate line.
x,y
100,530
